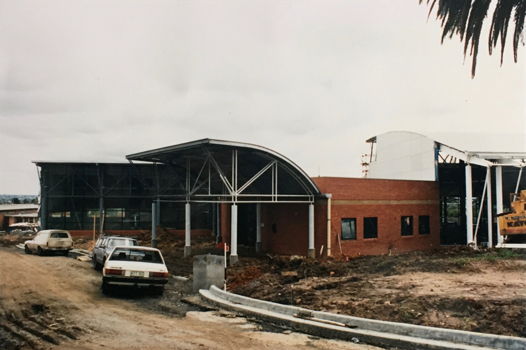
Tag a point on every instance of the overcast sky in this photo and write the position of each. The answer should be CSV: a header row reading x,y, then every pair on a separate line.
x,y
312,80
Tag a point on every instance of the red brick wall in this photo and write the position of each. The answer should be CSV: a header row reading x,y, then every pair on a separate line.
x,y
292,228
388,200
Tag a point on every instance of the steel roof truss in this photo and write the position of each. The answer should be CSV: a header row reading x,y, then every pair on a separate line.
x,y
255,177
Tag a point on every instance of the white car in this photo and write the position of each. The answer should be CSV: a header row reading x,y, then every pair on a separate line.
x,y
49,241
135,267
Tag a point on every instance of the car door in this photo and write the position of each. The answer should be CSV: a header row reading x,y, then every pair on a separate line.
x,y
41,240
32,243
100,250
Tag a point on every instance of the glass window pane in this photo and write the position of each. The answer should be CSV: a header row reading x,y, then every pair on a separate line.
x,y
348,229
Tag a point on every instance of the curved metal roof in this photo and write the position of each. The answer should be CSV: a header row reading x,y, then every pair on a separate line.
x,y
243,168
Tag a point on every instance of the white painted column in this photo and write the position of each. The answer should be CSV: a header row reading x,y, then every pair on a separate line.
x,y
188,230
258,228
329,197
500,202
233,236
469,205
490,209
311,253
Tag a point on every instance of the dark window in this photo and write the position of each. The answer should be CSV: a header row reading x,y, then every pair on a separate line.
x,y
59,235
407,225
423,224
348,229
370,227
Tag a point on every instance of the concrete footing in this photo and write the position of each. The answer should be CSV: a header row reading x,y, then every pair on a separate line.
x,y
233,259
187,251
258,247
374,332
209,270
311,254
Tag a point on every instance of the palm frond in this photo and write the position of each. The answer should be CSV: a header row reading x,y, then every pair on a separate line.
x,y
466,17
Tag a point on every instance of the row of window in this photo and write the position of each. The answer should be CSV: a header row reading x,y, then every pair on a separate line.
x,y
370,227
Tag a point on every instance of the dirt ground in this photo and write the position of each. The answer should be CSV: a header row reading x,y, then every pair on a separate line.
x,y
54,302
455,287
451,287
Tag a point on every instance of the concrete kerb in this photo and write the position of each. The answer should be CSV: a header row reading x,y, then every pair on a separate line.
x,y
374,332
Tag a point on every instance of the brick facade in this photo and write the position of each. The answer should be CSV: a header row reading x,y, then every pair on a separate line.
x,y
285,226
386,200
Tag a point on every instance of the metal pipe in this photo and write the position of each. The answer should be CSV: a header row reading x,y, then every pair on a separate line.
x,y
469,205
480,209
233,235
311,253
329,201
490,210
158,212
500,202
518,183
187,227
258,227
154,225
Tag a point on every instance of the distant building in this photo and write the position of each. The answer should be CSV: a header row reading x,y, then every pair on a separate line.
x,y
17,213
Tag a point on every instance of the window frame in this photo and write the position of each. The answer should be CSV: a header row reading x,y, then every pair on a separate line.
x,y
375,227
428,226
403,228
350,221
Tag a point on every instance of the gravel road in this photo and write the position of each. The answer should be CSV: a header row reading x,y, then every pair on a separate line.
x,y
54,302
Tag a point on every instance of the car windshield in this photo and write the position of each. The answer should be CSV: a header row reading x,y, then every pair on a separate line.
x,y
125,254
59,235
121,242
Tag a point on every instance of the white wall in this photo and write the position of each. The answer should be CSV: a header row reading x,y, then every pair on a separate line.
x,y
405,156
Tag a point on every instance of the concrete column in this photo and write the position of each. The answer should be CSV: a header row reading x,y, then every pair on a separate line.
x,y
154,225
158,212
233,236
500,202
311,253
490,209
101,215
469,205
258,228
187,228
218,222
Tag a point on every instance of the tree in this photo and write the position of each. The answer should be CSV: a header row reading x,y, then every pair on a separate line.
x,y
465,18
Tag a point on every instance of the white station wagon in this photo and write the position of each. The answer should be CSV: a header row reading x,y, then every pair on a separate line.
x,y
135,267
50,241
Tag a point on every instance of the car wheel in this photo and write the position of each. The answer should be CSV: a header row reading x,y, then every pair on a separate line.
x,y
105,288
96,264
158,291
27,250
40,251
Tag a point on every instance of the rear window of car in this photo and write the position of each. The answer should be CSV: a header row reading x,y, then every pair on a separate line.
x,y
149,256
59,235
121,242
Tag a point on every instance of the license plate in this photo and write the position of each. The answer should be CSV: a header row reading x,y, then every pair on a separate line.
x,y
136,273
